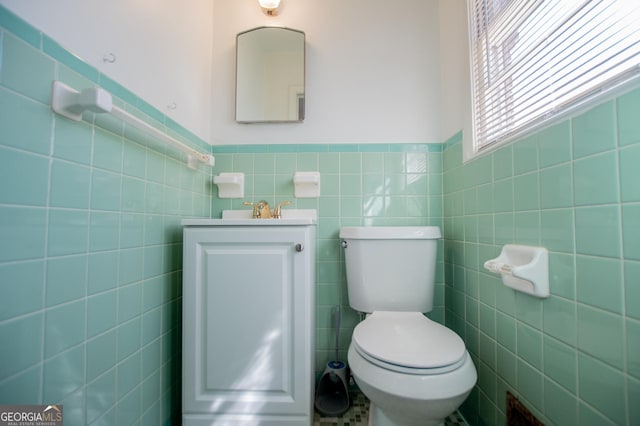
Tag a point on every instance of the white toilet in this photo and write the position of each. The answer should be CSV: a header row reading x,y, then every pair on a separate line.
x,y
413,370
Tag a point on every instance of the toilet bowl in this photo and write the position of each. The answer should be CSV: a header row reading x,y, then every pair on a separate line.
x,y
407,383
414,371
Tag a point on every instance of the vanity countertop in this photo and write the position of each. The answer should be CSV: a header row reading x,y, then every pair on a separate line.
x,y
290,217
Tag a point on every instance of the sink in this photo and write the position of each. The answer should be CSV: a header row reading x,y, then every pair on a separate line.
x,y
290,217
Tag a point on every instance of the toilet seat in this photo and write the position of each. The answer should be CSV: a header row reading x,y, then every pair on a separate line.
x,y
408,342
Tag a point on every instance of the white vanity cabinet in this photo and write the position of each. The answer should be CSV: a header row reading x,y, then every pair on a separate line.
x,y
248,322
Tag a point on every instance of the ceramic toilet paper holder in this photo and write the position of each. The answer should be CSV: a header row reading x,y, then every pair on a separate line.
x,y
523,268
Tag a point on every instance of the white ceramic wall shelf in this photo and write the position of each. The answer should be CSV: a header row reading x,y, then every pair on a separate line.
x,y
230,185
523,268
306,184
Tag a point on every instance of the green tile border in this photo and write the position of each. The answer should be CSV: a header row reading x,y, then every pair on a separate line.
x,y
59,53
301,148
454,139
19,28
116,89
344,148
416,147
328,148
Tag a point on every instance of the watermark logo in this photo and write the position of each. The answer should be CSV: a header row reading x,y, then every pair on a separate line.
x,y
31,415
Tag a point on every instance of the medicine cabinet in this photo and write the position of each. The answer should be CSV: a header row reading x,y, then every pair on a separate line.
x,y
270,75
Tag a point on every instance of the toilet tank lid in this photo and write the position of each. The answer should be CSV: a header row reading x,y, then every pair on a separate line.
x,y
391,232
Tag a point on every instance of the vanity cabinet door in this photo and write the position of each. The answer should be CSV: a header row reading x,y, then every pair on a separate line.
x,y
248,325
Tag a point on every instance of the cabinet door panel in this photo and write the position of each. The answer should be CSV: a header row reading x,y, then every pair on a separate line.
x,y
248,322
247,333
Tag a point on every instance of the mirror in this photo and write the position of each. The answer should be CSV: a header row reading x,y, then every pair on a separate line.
x,y
270,75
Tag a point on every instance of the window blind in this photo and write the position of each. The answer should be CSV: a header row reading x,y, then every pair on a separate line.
x,y
532,60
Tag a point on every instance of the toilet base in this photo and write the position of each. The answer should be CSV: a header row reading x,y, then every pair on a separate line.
x,y
377,417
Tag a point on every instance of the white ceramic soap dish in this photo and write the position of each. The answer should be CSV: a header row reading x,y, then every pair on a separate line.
x,y
230,185
523,268
306,184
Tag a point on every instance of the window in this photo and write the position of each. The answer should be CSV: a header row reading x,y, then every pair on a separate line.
x,y
535,60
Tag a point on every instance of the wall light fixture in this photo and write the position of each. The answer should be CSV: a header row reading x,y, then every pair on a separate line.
x,y
269,7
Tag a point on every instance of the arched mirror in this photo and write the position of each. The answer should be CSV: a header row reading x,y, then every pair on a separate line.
x,y
270,75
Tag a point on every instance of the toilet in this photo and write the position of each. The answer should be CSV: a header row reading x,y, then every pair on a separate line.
x,y
414,370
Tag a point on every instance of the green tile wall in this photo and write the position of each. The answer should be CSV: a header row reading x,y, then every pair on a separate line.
x,y
573,188
90,245
367,184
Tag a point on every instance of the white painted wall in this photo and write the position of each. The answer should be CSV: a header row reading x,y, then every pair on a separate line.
x,y
162,49
372,71
373,67
454,68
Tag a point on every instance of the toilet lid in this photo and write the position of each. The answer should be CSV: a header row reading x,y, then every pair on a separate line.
x,y
409,340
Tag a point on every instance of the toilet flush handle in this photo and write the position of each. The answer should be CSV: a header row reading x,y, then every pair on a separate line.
x,y
343,243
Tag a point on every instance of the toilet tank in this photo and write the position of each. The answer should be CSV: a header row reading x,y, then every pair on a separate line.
x,y
390,268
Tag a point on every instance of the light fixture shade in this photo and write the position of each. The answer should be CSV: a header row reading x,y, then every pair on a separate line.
x,y
269,4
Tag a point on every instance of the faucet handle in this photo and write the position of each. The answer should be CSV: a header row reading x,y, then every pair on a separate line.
x,y
257,208
254,213
277,211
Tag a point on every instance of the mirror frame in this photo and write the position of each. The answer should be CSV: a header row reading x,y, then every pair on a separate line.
x,y
301,100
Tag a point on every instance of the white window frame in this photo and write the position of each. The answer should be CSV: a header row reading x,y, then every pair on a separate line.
x,y
591,91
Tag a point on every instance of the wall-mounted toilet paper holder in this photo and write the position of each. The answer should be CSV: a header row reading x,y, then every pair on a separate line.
x,y
523,268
